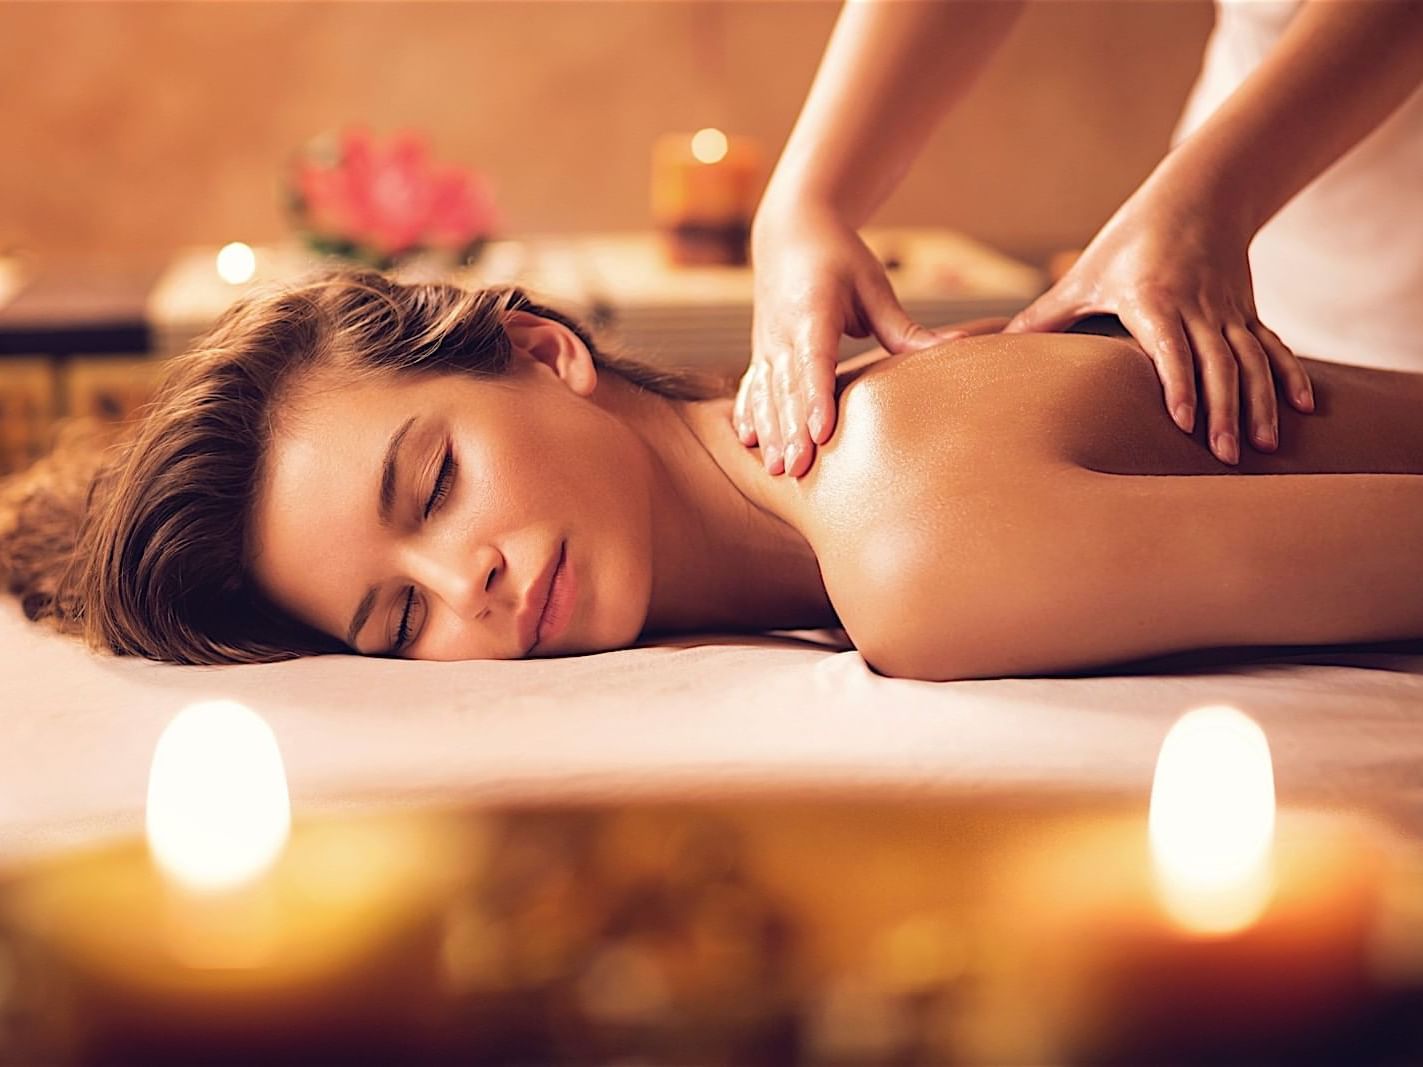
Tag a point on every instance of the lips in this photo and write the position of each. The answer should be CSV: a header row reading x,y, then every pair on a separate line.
x,y
536,601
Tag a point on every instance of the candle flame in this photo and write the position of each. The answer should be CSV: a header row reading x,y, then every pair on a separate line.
x,y
709,145
218,810
236,263
1212,822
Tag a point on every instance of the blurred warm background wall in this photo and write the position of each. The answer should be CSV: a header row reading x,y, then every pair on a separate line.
x,y
133,129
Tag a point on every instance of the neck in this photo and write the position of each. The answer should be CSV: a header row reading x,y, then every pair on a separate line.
x,y
726,555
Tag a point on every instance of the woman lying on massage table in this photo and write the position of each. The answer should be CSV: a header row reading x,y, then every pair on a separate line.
x,y
425,472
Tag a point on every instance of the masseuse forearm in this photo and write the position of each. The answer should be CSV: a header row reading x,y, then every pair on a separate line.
x,y
1340,69
890,71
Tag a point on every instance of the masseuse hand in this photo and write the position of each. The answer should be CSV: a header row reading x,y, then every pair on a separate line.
x,y
815,280
1177,276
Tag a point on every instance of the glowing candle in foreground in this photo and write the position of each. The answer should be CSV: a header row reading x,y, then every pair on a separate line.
x,y
218,811
218,819
1212,821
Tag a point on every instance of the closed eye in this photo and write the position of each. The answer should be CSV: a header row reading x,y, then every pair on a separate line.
x,y
442,483
437,497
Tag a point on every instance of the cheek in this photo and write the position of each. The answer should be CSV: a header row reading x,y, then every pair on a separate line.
x,y
562,465
588,478
621,536
500,478
594,486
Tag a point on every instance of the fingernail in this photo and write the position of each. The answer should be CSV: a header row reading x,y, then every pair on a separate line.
x,y
1226,448
1265,436
1305,399
1185,417
817,424
792,454
772,456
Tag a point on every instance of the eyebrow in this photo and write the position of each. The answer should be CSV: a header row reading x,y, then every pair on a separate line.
x,y
385,508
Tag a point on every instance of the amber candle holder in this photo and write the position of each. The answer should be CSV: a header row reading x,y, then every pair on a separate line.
x,y
332,951
705,187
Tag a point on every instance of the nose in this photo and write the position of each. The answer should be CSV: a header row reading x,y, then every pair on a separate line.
x,y
459,579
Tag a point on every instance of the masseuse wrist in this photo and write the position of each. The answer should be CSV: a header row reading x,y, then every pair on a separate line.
x,y
1200,180
1203,200
783,212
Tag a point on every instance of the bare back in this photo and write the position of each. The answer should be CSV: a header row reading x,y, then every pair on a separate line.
x,y
1096,402
952,456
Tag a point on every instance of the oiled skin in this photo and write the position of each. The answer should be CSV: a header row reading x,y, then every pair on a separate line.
x,y
1012,504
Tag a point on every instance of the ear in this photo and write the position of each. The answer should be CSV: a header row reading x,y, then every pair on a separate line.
x,y
555,346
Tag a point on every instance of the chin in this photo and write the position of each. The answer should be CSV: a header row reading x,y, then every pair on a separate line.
x,y
625,634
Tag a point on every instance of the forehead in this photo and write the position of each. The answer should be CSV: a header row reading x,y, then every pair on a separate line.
x,y
308,408
325,427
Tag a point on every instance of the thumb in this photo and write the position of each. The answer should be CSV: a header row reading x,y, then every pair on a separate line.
x,y
890,323
1049,312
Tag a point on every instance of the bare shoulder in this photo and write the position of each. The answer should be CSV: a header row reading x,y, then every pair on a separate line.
x,y
917,431
937,457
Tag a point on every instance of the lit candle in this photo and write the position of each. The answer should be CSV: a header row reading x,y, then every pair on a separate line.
x,y
704,191
1225,929
218,818
227,934
1212,822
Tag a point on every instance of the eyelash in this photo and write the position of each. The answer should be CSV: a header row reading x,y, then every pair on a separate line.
x,y
437,497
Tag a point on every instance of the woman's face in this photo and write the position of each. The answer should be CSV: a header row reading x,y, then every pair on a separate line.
x,y
428,517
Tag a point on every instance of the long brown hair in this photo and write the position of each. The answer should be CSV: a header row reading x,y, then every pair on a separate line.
x,y
134,538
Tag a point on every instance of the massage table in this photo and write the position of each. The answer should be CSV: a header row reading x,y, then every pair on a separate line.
x,y
716,715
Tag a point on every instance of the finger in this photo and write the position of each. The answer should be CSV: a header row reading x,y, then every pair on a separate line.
x,y
887,319
1054,310
768,426
741,409
1220,384
1257,387
1289,371
1162,337
814,358
788,402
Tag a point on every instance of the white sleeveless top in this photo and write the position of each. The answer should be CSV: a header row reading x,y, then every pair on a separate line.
x,y
1339,271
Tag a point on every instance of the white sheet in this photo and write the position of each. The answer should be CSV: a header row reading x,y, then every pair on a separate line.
x,y
696,716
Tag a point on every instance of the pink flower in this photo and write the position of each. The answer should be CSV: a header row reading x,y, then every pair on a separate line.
x,y
461,209
392,199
